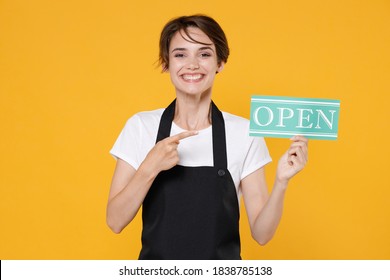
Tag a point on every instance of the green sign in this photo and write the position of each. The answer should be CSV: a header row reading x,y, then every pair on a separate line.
x,y
285,117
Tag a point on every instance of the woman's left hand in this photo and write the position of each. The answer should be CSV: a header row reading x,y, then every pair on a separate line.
x,y
294,160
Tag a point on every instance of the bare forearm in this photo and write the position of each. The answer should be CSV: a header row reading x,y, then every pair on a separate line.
x,y
268,220
265,211
123,207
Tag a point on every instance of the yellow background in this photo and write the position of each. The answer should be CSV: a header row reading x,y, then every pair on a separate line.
x,y
72,72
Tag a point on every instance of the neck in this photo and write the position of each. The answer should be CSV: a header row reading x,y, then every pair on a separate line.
x,y
192,112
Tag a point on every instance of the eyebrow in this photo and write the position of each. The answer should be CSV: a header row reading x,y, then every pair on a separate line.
x,y
200,49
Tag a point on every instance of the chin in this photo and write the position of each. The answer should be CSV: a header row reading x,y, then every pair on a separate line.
x,y
194,92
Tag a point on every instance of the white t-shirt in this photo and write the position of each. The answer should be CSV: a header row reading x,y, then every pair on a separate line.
x,y
245,154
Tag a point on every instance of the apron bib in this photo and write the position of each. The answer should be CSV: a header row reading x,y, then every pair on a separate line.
x,y
192,212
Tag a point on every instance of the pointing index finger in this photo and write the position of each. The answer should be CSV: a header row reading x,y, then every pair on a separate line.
x,y
183,135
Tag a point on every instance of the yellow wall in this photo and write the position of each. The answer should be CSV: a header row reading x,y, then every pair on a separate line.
x,y
72,72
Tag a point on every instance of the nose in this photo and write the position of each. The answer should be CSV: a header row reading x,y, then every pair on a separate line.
x,y
193,64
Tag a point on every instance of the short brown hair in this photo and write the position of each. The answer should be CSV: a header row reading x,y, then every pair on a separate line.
x,y
205,23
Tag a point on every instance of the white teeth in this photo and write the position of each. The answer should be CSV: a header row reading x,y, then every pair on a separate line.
x,y
192,77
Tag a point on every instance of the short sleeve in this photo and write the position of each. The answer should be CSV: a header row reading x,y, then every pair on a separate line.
x,y
257,156
126,146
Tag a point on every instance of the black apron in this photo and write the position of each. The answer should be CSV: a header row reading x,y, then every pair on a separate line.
x,y
192,212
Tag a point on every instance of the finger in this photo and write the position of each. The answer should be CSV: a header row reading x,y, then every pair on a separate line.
x,y
290,159
298,138
172,146
299,142
183,135
301,157
296,152
293,150
298,165
302,146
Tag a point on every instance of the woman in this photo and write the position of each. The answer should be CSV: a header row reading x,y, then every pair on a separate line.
x,y
188,165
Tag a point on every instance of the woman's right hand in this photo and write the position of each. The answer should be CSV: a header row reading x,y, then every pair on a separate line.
x,y
129,186
164,155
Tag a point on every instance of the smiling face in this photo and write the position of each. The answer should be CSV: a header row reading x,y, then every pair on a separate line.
x,y
193,66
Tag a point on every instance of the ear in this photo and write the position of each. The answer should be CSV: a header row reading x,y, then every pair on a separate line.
x,y
220,67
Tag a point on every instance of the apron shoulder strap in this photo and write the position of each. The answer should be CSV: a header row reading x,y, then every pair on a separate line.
x,y
219,138
164,128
